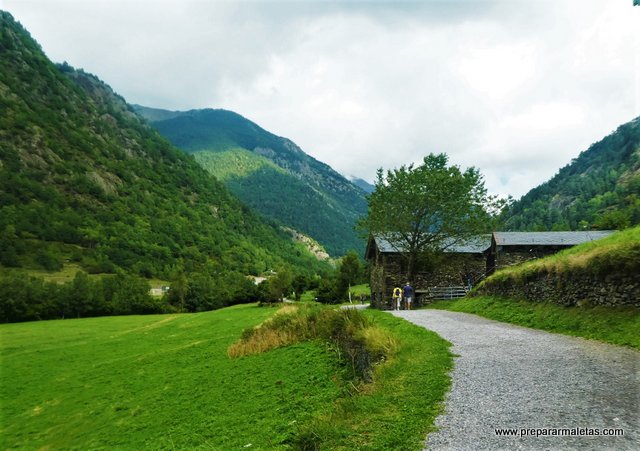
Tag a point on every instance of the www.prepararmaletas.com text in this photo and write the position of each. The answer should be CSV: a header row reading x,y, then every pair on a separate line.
x,y
559,432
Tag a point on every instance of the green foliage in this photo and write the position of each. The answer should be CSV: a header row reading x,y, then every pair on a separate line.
x,y
83,178
330,290
617,325
280,284
599,189
350,272
27,298
422,209
24,298
269,173
234,163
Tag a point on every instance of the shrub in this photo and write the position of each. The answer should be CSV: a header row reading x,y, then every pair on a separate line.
x,y
357,342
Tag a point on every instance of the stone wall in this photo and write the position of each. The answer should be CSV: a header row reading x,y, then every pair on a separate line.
x,y
516,255
445,271
616,289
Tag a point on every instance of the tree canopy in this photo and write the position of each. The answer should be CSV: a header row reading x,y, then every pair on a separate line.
x,y
427,208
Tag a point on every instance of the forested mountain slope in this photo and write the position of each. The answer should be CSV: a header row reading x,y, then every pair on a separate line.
x,y
268,172
598,189
83,178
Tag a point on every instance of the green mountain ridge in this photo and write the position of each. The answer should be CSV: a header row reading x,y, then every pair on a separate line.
x,y
84,179
598,189
284,183
363,184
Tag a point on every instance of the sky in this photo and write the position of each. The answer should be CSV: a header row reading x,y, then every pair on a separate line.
x,y
515,88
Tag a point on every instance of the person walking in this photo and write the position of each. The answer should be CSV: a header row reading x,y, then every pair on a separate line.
x,y
408,296
396,298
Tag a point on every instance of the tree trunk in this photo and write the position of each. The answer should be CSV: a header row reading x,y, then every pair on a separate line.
x,y
411,267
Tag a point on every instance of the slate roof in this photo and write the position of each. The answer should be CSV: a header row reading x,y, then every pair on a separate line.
x,y
475,245
548,238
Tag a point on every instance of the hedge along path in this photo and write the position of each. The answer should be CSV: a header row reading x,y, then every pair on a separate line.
x,y
508,376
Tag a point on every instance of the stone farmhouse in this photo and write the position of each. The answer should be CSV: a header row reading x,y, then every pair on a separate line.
x,y
512,248
462,264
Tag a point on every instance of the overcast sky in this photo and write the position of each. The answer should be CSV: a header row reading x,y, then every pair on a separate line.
x,y
516,88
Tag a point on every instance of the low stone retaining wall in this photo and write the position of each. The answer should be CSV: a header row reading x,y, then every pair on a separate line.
x,y
573,289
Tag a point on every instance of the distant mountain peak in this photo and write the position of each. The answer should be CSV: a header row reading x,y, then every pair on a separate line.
x,y
363,184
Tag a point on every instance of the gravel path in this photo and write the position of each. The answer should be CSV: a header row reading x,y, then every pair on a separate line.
x,y
512,377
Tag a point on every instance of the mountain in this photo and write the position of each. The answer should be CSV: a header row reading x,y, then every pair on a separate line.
x,y
84,179
270,173
598,189
362,184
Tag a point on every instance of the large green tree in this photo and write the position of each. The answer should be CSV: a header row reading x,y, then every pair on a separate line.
x,y
350,272
427,208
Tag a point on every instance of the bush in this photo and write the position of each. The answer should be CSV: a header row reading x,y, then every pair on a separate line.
x,y
357,342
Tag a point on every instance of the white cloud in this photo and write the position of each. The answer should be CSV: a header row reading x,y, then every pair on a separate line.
x,y
517,88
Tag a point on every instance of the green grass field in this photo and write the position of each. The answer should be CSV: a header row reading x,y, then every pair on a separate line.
x,y
616,325
166,382
155,382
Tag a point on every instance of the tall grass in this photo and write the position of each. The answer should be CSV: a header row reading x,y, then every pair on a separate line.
x,y
353,337
395,408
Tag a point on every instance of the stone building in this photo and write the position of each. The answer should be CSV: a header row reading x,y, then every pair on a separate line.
x,y
459,265
512,248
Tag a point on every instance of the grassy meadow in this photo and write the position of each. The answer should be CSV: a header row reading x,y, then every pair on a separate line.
x,y
166,382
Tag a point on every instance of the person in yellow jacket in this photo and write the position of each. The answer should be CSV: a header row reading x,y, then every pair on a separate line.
x,y
397,298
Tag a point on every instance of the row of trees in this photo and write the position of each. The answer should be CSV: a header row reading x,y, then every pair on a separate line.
x,y
24,298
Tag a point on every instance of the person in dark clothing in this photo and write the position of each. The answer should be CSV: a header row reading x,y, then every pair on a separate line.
x,y
408,295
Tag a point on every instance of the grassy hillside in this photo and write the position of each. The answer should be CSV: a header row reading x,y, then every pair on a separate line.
x,y
601,188
83,179
166,382
280,180
619,252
